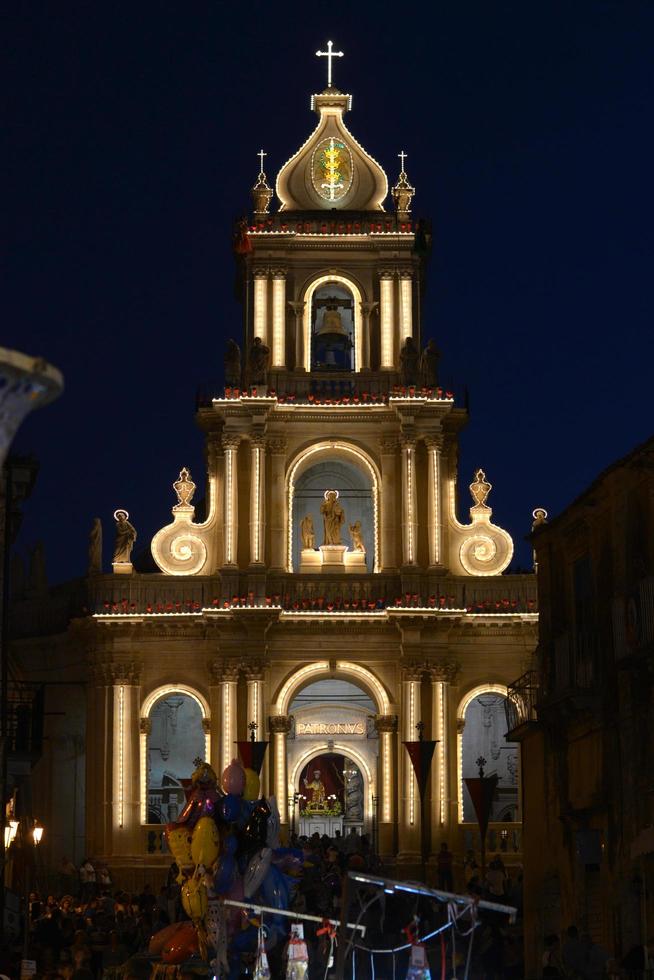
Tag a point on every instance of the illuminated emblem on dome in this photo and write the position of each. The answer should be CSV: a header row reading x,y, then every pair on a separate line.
x,y
331,169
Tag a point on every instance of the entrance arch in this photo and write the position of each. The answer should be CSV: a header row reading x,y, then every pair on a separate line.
x,y
334,449
351,752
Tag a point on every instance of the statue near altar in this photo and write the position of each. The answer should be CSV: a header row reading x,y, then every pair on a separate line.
x,y
317,787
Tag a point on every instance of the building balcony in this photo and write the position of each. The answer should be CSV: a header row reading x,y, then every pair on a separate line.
x,y
521,706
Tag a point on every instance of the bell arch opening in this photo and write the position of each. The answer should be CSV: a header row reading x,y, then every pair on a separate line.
x,y
332,324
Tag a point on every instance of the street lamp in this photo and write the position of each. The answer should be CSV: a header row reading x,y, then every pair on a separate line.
x,y
10,833
37,833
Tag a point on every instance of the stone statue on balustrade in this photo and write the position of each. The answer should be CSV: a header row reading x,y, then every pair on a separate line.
x,y
125,538
258,362
429,365
333,517
357,539
232,364
308,533
409,362
95,548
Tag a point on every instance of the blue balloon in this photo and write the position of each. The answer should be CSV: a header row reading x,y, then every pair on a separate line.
x,y
224,875
274,889
230,807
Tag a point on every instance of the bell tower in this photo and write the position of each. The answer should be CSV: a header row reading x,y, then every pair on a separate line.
x,y
330,279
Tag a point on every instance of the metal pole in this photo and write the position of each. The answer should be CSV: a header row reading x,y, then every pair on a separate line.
x,y
4,674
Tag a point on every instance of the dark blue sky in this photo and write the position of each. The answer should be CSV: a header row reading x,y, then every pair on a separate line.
x,y
133,131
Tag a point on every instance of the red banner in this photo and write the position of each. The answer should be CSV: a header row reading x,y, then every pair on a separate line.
x,y
421,754
252,754
482,790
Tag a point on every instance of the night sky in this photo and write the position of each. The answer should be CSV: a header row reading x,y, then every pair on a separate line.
x,y
133,131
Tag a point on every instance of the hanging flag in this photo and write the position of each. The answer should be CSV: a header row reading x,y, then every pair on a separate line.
x,y
482,791
421,754
252,754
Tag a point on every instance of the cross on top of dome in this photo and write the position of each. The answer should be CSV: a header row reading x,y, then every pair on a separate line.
x,y
329,54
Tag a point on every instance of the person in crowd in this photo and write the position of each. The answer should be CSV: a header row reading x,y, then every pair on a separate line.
x,y
87,880
573,953
496,878
352,842
552,962
444,868
68,878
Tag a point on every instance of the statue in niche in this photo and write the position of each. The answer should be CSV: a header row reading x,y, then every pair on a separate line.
x,y
308,533
232,362
95,548
258,361
125,538
409,362
353,793
357,540
317,788
429,365
333,517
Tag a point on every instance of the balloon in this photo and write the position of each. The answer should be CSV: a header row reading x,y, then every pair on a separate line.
x,y
182,944
256,829
233,780
192,810
179,842
274,889
274,823
224,876
162,938
251,788
206,842
256,871
194,898
230,807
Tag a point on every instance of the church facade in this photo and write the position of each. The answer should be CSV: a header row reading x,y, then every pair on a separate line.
x,y
333,598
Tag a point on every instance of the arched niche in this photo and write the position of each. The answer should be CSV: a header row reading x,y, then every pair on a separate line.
x,y
355,497
353,473
332,327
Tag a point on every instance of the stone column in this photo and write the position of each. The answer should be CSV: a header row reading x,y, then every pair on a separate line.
x,y
228,702
254,675
277,448
440,674
409,502
386,727
279,727
279,320
215,706
406,305
257,500
367,309
99,758
388,451
410,848
297,306
126,789
434,506
387,321
260,319
230,497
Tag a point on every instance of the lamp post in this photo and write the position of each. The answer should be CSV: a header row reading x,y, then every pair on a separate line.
x,y
28,837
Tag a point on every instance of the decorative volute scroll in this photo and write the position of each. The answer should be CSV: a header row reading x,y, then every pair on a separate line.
x,y
331,170
181,548
479,548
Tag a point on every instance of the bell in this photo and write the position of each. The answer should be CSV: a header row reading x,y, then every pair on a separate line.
x,y
332,323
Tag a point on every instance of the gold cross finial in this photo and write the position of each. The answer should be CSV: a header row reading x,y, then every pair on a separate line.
x,y
402,155
261,155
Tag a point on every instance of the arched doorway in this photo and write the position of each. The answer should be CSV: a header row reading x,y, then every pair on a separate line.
x,y
332,751
483,737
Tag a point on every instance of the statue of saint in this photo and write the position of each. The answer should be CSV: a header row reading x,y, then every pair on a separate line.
x,y
409,362
258,360
95,548
333,517
355,534
232,364
307,532
429,365
317,788
125,537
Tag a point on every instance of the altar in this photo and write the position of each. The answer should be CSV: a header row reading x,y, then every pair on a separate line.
x,y
320,823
